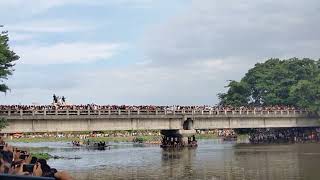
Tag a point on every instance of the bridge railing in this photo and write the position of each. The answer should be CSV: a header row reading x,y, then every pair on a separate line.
x,y
85,112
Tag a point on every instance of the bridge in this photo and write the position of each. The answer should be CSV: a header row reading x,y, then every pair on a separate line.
x,y
100,120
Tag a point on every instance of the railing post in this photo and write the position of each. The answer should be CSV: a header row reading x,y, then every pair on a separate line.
x,y
9,113
138,112
254,111
21,112
88,112
99,112
202,112
225,112
233,112
129,112
174,112
109,112
281,112
56,112
165,111
210,112
78,112
119,111
44,112
240,111
67,112
156,111
218,112
32,112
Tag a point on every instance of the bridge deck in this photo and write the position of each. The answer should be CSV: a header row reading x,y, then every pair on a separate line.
x,y
8,113
100,120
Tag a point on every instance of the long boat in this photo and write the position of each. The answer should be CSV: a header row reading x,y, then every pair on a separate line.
x,y
93,145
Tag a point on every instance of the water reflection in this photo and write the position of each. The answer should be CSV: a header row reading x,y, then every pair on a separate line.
x,y
178,161
211,160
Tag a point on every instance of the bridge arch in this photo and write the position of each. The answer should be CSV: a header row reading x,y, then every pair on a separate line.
x,y
187,124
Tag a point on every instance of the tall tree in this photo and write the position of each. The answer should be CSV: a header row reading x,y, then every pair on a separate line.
x,y
7,58
294,82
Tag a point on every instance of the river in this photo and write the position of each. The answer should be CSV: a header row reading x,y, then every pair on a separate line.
x,y
213,159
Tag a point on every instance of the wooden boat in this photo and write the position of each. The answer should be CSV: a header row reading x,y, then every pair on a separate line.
x,y
91,145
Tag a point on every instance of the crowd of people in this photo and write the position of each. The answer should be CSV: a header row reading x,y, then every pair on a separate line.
x,y
14,161
58,106
177,141
284,135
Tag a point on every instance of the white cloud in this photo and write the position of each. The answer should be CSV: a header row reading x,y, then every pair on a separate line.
x,y
245,30
14,36
22,7
31,7
63,53
137,84
186,60
50,26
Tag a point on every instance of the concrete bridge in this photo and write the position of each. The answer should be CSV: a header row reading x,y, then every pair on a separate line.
x,y
100,120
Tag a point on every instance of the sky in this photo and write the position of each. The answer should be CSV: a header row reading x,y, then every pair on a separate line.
x,y
159,52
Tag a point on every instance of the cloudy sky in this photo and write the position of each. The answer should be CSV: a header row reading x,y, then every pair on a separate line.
x,y
148,51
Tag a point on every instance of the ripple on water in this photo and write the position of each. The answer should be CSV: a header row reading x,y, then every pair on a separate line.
x,y
211,160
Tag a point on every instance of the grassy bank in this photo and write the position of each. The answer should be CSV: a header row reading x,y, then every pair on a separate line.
x,y
94,139
142,139
45,156
243,136
206,136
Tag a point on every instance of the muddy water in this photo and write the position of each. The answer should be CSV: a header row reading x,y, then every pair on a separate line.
x,y
213,159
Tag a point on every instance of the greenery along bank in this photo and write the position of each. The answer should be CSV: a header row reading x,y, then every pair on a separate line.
x,y
288,82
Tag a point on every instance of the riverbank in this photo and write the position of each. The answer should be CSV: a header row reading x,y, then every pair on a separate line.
x,y
69,139
141,139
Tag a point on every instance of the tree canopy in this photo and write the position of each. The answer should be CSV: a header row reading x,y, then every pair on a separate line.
x,y
290,82
7,58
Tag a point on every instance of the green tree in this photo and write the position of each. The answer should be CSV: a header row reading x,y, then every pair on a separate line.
x,y
3,123
237,94
7,58
307,94
294,82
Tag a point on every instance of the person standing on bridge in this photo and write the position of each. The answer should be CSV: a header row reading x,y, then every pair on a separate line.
x,y
63,100
55,99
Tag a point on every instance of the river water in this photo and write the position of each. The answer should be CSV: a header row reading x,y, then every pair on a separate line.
x,y
213,159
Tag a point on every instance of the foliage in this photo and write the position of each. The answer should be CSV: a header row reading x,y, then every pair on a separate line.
x,y
206,136
145,139
7,57
3,123
291,82
45,156
69,139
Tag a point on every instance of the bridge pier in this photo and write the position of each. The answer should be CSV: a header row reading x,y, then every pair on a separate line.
x,y
180,137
